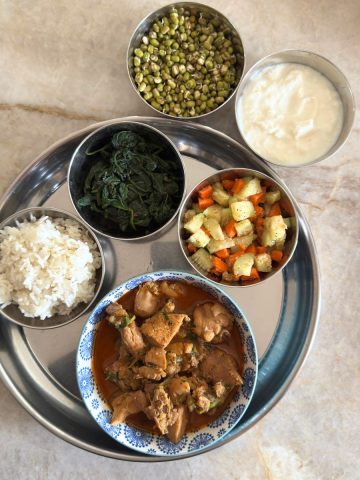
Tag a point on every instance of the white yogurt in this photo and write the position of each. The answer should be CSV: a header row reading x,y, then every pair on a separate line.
x,y
290,114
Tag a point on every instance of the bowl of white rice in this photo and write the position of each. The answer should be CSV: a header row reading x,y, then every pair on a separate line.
x,y
51,267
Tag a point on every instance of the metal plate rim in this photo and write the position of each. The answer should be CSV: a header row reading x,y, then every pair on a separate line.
x,y
314,320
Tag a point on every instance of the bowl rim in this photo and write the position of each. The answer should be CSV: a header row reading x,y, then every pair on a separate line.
x,y
59,214
182,277
168,6
257,174
258,65
120,122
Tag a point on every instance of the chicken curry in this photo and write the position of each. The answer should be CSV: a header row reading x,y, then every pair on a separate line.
x,y
167,358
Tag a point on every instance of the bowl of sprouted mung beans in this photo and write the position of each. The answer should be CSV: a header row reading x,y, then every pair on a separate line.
x,y
185,60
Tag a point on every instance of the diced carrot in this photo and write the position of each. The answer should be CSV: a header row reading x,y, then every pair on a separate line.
x,y
258,211
228,184
231,259
205,230
251,249
260,250
191,248
286,206
238,185
205,203
206,192
219,265
257,198
254,275
276,255
230,229
224,253
274,210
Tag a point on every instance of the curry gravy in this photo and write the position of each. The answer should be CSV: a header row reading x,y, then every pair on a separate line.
x,y
106,347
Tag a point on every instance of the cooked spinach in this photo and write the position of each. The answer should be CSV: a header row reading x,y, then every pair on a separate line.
x,y
131,184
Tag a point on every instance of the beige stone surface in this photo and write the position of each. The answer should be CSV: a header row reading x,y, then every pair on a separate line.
x,y
62,67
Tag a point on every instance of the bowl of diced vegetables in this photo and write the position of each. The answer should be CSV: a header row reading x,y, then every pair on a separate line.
x,y
238,227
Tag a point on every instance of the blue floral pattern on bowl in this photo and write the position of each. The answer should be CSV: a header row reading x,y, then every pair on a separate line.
x,y
86,345
249,379
200,441
134,438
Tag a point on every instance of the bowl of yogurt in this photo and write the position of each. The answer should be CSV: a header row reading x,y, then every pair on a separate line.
x,y
294,108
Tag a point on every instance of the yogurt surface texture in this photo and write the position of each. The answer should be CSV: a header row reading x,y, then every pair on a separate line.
x,y
290,114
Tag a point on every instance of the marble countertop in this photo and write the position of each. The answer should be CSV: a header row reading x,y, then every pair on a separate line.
x,y
62,67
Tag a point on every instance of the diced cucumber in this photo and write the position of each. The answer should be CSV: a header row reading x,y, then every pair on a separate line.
x,y
244,264
244,227
202,259
226,216
214,211
214,228
245,240
195,223
272,197
242,210
221,197
263,262
250,188
199,239
216,245
274,230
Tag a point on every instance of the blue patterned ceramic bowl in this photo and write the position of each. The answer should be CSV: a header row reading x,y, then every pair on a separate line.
x,y
153,444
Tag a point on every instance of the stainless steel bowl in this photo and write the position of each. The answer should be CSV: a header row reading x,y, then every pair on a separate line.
x,y
80,164
12,312
290,243
144,27
323,66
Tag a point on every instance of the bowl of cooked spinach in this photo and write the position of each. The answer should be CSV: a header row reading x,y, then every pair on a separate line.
x,y
126,180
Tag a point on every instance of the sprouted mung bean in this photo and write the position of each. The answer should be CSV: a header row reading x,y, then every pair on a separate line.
x,y
187,64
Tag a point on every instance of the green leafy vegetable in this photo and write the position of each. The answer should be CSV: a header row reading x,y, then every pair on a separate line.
x,y
130,184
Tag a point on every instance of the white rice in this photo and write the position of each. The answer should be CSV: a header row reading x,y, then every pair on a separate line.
x,y
47,266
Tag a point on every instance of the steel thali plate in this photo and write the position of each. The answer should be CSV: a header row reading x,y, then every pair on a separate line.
x,y
38,366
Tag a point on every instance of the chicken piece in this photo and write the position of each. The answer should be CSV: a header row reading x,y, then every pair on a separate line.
x,y
202,401
117,315
162,410
116,309
132,339
172,290
162,327
147,299
120,373
156,356
173,363
169,306
199,398
219,366
178,388
127,404
180,347
149,373
177,430
189,362
212,322
219,389
149,389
